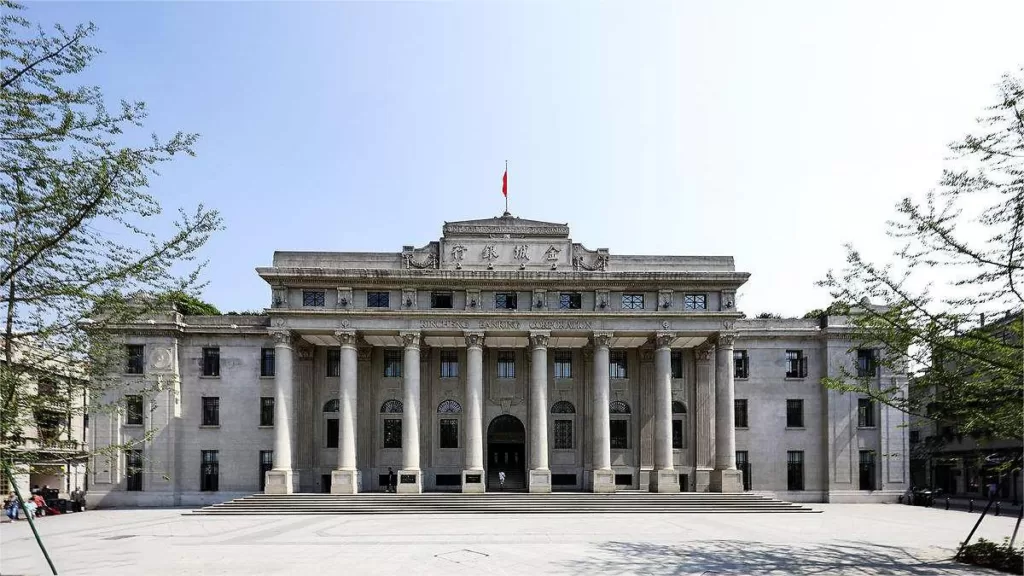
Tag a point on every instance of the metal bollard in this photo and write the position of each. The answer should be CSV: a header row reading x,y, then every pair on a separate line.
x,y
997,508
947,502
970,505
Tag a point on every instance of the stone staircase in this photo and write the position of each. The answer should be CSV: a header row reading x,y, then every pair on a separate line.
x,y
504,503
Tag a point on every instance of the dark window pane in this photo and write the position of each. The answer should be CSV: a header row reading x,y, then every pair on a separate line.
x,y
209,480
632,301
618,407
332,432
740,411
796,364
136,359
741,364
617,367
449,407
695,302
619,434
867,364
794,413
266,465
563,407
133,470
867,470
505,300
378,299
795,470
677,363
392,363
133,410
211,411
865,413
440,299
449,363
267,362
449,433
312,298
677,434
570,301
392,407
563,434
506,364
211,361
266,411
333,362
563,364
392,433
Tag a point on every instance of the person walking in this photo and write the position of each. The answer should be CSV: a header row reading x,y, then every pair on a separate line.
x,y
391,480
501,480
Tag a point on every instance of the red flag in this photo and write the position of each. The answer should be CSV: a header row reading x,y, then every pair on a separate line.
x,y
504,184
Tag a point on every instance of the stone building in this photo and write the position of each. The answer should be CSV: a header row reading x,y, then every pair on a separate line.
x,y
502,346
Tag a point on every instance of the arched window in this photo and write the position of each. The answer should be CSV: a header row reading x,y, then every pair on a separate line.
x,y
331,432
563,407
678,407
618,407
449,407
678,425
392,407
332,406
391,427
619,425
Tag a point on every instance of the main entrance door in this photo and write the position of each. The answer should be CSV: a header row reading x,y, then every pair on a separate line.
x,y
506,451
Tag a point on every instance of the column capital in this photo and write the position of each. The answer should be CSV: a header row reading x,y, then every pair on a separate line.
x,y
346,338
703,352
664,339
474,339
410,339
364,354
540,339
602,339
726,339
281,337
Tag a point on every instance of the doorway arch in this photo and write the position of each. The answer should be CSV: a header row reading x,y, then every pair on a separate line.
x,y
506,451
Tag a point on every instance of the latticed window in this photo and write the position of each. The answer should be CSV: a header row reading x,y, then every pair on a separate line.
x,y
741,363
795,470
563,364
133,470
677,363
695,302
378,299
392,433
678,414
506,364
865,413
312,298
449,407
211,361
570,301
133,410
392,363
563,407
333,362
267,362
333,405
617,364
796,364
266,411
505,300
211,411
563,434
632,301
867,363
794,413
449,363
440,299
449,433
618,407
391,407
266,465
867,470
136,359
209,480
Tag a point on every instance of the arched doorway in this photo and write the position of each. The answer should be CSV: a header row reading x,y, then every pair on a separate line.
x,y
506,450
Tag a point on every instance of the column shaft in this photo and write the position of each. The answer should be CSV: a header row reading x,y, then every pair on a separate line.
x,y
284,392
602,424
411,409
347,415
474,403
725,428
539,403
663,408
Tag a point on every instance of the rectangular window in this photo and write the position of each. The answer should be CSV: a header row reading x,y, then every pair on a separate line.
x,y
619,434
677,363
632,301
695,302
743,465
865,413
392,433
677,434
392,363
796,364
378,299
211,411
915,436
312,298
563,434
563,364
570,301
266,465
742,363
505,300
617,364
333,362
133,410
449,433
332,432
449,363
740,413
133,470
506,364
266,411
209,480
211,361
795,470
794,413
867,363
267,362
867,470
135,359
440,299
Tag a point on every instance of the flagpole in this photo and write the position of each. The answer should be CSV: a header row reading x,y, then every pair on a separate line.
x,y
506,191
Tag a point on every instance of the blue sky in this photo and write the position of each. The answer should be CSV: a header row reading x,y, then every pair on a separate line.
x,y
772,132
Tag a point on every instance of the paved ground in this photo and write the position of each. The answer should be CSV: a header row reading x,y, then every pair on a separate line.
x,y
846,539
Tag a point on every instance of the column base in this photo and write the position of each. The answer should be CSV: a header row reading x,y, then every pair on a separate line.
x,y
281,482
664,481
604,481
473,482
344,481
702,480
410,481
726,481
540,481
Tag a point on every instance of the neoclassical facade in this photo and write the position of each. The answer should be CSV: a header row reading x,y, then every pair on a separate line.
x,y
503,346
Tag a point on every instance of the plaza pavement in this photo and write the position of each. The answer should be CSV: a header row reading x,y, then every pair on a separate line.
x,y
845,539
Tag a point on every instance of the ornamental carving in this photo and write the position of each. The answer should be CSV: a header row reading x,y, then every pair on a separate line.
x,y
458,253
305,352
646,355
162,360
703,352
602,339
729,325
474,339
346,338
521,252
726,340
489,253
410,339
281,337
591,260
664,339
364,354
425,257
539,340
551,254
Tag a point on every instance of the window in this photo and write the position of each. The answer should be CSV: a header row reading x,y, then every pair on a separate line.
x,y
740,413
563,364
449,363
312,298
563,434
570,301
333,362
865,413
741,363
135,359
390,407
794,413
795,470
632,301
619,434
378,300
133,410
332,432
331,409
505,300
266,411
563,407
677,363
332,406
617,364
449,433
133,470
392,433
867,470
211,361
209,479
266,465
915,436
267,362
440,299
796,364
678,414
867,363
619,407
695,302
449,407
392,363
211,411
506,364
743,465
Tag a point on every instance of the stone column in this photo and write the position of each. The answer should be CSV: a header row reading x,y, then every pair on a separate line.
x,y
410,477
664,477
725,477
473,474
603,476
282,479
540,473
704,429
345,480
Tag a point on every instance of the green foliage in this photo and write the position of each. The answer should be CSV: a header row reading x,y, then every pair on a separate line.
x,y
769,315
190,305
833,309
996,556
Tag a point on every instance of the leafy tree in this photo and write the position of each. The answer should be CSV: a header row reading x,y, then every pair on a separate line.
x,y
190,305
833,309
769,315
75,226
960,259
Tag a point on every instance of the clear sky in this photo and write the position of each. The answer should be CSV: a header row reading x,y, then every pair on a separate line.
x,y
769,131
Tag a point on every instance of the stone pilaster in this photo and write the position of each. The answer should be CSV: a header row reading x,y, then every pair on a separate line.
x,y
540,473
282,479
705,418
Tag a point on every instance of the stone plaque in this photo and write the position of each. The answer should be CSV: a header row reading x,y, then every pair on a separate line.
x,y
408,479
472,478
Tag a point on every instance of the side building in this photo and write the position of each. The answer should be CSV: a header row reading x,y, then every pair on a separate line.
x,y
503,346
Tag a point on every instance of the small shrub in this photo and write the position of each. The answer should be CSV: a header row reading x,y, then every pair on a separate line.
x,y
991,555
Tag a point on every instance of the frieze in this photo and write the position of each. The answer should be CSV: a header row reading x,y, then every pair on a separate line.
x,y
446,323
505,324
513,231
501,324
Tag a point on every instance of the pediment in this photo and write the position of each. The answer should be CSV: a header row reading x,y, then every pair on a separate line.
x,y
505,226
